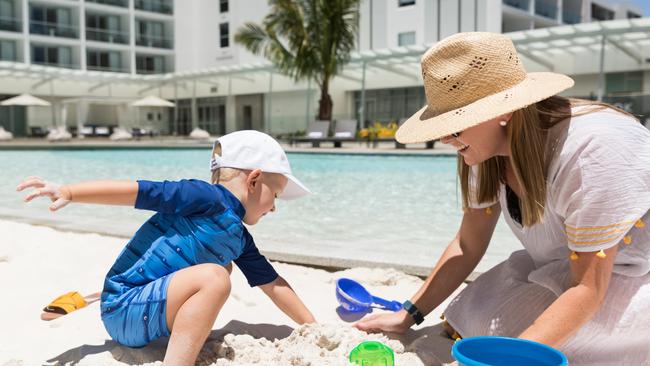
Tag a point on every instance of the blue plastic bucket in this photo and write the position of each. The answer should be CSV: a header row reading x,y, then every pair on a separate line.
x,y
504,351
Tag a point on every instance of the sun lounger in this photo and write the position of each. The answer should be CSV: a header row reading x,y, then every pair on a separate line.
x,y
317,132
344,130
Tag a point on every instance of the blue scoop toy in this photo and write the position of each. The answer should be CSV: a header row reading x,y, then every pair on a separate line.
x,y
355,298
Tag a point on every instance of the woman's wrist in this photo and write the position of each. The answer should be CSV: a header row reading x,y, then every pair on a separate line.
x,y
407,319
413,312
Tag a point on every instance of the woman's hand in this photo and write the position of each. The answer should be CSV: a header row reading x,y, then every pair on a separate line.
x,y
44,189
398,322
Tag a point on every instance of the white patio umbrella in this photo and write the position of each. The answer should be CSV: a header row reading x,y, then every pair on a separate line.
x,y
26,100
151,101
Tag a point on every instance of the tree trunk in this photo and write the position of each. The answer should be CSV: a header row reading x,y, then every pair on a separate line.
x,y
325,103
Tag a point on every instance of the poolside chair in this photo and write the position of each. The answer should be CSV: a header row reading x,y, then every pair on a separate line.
x,y
102,131
38,131
317,131
87,131
428,144
344,130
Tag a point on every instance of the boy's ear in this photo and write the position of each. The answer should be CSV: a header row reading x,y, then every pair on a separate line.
x,y
253,179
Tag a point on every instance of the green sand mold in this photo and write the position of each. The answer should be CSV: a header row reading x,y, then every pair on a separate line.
x,y
372,353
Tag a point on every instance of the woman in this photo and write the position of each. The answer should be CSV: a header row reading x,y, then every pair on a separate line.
x,y
573,181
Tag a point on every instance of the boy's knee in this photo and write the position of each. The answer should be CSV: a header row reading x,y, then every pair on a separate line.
x,y
215,278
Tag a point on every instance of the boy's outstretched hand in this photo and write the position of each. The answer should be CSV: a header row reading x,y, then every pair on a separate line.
x,y
43,188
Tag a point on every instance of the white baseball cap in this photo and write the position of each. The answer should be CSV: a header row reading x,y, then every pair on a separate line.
x,y
250,150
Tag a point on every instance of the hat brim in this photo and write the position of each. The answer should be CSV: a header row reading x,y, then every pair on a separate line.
x,y
294,189
425,125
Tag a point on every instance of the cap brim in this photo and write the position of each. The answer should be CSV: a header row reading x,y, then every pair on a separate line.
x,y
425,125
294,189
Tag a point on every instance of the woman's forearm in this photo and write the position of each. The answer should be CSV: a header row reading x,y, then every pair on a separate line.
x,y
564,316
110,192
449,273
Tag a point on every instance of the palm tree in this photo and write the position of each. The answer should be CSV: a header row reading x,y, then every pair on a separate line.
x,y
306,39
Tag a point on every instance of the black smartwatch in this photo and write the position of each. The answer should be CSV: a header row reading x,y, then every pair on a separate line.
x,y
413,311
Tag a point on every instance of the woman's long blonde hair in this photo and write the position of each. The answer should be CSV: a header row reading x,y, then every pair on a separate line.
x,y
527,132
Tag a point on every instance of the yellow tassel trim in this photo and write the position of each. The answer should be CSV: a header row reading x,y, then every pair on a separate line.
x,y
574,256
639,224
456,336
627,240
601,254
488,211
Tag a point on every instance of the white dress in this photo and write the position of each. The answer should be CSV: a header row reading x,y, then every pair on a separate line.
x,y
598,196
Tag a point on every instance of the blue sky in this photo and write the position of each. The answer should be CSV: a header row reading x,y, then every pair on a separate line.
x,y
644,5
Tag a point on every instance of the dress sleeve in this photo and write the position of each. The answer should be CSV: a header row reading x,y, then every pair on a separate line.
x,y
185,198
601,188
255,267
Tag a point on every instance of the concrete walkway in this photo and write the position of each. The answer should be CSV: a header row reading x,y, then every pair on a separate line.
x,y
360,148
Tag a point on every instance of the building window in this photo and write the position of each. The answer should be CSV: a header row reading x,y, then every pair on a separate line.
x,y
8,51
52,55
401,3
104,60
632,15
224,35
406,38
146,64
223,6
624,82
601,13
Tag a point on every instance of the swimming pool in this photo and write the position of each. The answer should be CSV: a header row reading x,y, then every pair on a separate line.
x,y
397,209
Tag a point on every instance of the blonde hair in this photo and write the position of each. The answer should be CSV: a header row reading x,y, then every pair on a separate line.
x,y
221,175
527,139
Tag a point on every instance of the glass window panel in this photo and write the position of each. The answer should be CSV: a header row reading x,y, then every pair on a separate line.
x,y
406,38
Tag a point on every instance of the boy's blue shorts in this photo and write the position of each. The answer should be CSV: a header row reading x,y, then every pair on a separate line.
x,y
138,316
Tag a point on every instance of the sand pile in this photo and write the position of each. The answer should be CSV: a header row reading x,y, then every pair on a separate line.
x,y
312,344
308,345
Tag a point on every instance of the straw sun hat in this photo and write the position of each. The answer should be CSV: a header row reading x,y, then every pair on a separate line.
x,y
471,78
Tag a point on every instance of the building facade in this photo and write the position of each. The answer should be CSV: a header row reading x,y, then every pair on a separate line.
x,y
169,40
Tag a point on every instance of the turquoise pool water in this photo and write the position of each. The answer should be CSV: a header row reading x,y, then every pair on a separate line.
x,y
398,209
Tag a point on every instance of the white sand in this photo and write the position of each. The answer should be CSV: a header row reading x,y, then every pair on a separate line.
x,y
38,263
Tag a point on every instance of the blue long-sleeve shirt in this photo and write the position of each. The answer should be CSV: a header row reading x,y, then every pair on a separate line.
x,y
196,222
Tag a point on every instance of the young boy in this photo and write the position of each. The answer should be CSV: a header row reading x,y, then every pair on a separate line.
x,y
172,278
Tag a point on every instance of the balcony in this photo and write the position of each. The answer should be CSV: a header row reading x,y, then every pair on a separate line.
x,y
519,4
53,29
149,71
10,24
155,6
105,35
120,3
107,68
56,64
545,10
152,41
